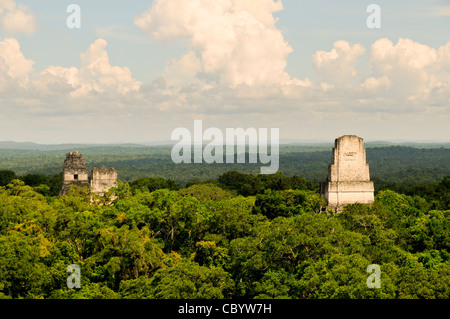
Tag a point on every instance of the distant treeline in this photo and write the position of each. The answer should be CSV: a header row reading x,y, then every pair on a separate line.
x,y
206,242
438,194
393,167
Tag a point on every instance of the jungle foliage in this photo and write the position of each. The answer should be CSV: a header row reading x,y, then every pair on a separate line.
x,y
393,167
238,236
223,231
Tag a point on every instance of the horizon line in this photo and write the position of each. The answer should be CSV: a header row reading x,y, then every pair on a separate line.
x,y
169,143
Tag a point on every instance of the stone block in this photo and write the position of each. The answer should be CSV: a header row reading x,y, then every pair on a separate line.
x,y
348,178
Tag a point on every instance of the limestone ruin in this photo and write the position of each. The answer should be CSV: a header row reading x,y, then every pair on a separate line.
x,y
103,179
76,173
348,180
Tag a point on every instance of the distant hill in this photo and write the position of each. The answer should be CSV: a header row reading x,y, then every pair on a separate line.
x,y
18,145
389,164
57,147
312,144
409,144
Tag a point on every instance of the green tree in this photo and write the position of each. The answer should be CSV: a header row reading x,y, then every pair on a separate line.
x,y
209,254
204,192
276,284
6,176
287,203
184,280
341,277
88,290
26,269
232,218
153,183
431,231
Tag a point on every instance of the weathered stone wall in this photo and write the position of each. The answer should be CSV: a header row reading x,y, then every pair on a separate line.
x,y
75,172
348,178
103,179
349,160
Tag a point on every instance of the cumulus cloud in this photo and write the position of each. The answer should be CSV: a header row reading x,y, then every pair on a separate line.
x,y
412,69
182,71
14,67
16,18
406,76
373,84
406,54
234,64
236,56
96,74
338,65
231,42
443,58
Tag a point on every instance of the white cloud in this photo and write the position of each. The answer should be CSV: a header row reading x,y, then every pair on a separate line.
x,y
236,42
443,58
375,84
410,67
406,54
13,65
16,18
182,71
96,74
337,66
405,81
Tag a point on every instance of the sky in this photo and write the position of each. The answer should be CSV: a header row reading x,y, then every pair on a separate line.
x,y
134,71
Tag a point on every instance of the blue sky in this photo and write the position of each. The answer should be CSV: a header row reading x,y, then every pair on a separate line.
x,y
311,68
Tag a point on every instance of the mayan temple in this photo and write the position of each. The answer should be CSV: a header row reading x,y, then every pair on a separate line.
x,y
348,180
76,173
103,179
